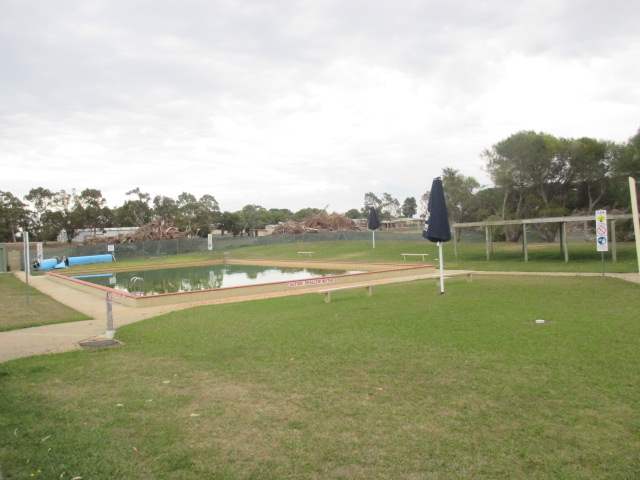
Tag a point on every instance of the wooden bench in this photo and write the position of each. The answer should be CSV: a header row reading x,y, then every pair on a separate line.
x,y
327,292
423,255
309,254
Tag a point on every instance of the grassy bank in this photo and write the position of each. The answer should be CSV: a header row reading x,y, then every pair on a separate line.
x,y
404,384
42,309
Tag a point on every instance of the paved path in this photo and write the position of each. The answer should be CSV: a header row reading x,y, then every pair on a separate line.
x,y
65,336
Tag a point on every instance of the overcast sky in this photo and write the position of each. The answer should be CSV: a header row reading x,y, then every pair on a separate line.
x,y
300,103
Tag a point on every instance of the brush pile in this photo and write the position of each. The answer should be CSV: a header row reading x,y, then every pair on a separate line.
x,y
157,230
321,223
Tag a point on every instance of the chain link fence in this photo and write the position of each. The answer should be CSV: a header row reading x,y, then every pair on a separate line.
x,y
162,248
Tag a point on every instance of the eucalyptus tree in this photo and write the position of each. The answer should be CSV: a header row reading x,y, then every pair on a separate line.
x,y
459,192
136,212
409,207
530,165
187,210
591,163
207,215
41,200
90,210
14,216
165,208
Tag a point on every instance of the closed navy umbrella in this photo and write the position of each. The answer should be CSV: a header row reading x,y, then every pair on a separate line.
x,y
373,224
436,223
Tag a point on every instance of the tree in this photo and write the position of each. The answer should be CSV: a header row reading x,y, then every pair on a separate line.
x,y
207,215
305,213
390,206
135,212
424,202
230,222
277,215
254,217
188,210
627,162
371,201
14,216
165,208
591,161
459,194
353,214
41,200
409,207
90,210
529,163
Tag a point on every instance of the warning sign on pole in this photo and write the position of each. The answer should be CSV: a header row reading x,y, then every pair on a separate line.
x,y
602,231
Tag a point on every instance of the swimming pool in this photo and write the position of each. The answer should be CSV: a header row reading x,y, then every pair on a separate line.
x,y
204,277
360,273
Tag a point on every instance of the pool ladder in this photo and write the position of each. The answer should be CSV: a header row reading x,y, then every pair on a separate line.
x,y
137,282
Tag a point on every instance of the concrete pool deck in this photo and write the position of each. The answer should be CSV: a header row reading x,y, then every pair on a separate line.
x,y
64,337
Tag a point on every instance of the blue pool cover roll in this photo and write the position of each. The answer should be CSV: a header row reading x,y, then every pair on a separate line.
x,y
48,263
71,261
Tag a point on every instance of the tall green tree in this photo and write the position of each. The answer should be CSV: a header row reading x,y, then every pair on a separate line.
x,y
41,200
459,193
90,210
230,222
527,166
390,206
135,212
208,214
188,210
254,217
591,163
409,207
165,208
14,216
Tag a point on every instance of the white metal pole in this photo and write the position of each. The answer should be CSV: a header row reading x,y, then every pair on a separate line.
x,y
373,232
25,241
636,221
441,268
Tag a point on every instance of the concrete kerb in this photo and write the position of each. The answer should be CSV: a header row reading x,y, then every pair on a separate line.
x,y
67,336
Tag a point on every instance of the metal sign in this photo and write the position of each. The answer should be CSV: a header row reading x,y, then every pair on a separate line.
x,y
602,231
39,252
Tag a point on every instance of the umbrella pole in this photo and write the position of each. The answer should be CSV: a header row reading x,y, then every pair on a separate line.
x,y
373,235
441,268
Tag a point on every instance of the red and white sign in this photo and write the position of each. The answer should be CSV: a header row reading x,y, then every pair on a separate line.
x,y
309,282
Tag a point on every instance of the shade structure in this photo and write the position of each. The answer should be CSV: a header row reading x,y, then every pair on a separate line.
x,y
373,224
436,223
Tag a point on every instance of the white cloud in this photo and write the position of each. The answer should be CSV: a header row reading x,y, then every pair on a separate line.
x,y
292,104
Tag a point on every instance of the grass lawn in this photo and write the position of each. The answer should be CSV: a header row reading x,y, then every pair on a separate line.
x,y
43,310
471,256
406,384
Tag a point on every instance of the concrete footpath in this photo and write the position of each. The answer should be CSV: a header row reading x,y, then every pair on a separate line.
x,y
66,336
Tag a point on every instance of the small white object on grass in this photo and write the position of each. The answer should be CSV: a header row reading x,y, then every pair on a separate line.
x,y
539,320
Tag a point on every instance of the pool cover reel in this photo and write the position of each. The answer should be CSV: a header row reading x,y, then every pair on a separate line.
x,y
55,262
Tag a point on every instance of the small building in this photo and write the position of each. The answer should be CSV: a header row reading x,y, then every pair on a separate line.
x,y
82,235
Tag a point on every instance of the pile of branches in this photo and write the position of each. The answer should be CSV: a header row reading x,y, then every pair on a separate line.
x,y
317,224
157,230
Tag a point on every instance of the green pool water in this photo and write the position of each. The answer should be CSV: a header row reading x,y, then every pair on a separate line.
x,y
189,279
